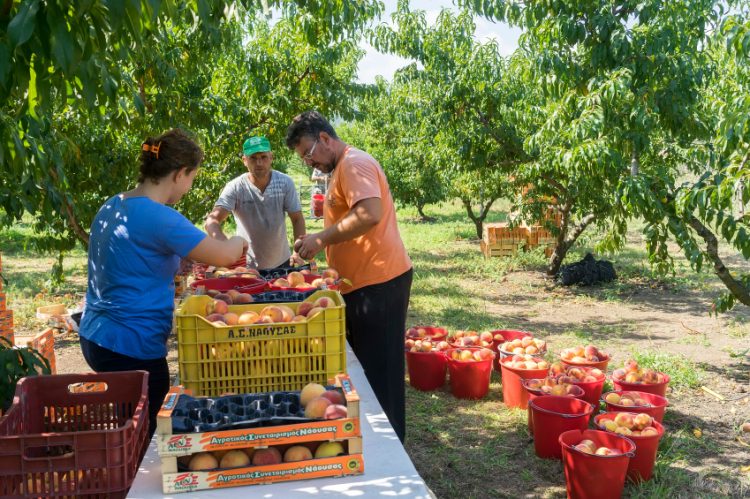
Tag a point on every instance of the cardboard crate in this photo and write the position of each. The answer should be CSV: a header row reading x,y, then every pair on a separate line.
x,y
172,446
214,360
183,444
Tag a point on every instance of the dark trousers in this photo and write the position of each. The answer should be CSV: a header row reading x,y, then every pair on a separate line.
x,y
375,324
102,360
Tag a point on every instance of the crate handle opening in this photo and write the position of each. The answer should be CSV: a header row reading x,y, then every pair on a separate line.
x,y
45,452
88,387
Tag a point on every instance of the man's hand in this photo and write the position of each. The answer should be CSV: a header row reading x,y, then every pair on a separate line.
x,y
308,245
296,260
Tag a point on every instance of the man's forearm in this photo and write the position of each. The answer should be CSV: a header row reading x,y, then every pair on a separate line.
x,y
351,226
213,229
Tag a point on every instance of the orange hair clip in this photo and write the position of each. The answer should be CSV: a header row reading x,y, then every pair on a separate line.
x,y
152,149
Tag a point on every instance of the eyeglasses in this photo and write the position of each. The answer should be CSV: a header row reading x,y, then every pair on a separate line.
x,y
308,155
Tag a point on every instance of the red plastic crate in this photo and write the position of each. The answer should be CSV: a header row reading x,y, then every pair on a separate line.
x,y
59,440
242,284
199,269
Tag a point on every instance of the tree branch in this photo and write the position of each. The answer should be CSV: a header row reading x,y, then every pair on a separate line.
x,y
70,216
738,290
579,228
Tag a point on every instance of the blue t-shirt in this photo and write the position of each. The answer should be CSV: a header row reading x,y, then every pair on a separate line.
x,y
134,253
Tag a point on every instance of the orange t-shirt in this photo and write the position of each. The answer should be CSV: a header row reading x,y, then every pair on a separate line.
x,y
379,254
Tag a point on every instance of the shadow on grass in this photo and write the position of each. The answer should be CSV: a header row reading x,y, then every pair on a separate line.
x,y
737,371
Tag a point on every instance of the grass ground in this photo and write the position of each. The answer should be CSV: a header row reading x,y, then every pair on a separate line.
x,y
480,448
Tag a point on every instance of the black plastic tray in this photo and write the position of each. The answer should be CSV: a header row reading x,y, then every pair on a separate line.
x,y
235,412
282,271
281,296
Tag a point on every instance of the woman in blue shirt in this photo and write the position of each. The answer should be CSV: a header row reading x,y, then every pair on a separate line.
x,y
136,245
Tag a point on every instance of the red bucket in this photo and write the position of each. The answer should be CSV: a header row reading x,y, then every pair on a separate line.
x,y
514,394
592,389
657,408
317,204
590,476
553,415
470,379
432,333
641,467
655,388
507,335
534,393
426,369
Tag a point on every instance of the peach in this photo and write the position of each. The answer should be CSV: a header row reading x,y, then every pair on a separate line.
x,y
610,425
269,455
313,311
295,278
282,283
250,451
231,318
215,317
309,392
318,283
297,453
486,336
426,346
632,377
243,298
498,337
621,430
649,431
316,408
203,461
217,307
234,459
335,411
224,297
612,398
330,274
409,343
627,402
641,421
212,292
631,365
287,313
304,307
249,317
274,312
624,419
465,355
584,448
324,302
329,449
605,451
299,318
335,396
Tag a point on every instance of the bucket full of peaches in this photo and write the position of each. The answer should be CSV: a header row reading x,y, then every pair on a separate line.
x,y
463,339
426,363
514,370
643,430
549,386
470,369
648,403
634,378
589,379
588,356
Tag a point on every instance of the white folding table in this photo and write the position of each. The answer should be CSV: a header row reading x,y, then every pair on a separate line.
x,y
388,470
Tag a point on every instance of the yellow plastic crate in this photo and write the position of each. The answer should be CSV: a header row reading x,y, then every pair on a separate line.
x,y
258,358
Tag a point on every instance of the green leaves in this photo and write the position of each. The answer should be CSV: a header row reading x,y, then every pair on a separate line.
x,y
21,27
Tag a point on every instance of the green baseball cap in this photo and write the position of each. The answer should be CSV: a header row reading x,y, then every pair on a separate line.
x,y
256,144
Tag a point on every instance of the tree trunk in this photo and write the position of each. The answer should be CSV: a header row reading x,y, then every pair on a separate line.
x,y
565,241
478,219
422,216
738,290
635,164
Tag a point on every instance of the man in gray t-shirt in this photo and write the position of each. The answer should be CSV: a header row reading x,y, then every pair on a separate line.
x,y
258,200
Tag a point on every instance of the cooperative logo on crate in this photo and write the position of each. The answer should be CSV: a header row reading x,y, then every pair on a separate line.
x,y
186,481
261,331
178,442
348,427
353,464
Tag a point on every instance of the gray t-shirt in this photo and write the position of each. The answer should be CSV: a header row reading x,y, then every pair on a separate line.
x,y
260,216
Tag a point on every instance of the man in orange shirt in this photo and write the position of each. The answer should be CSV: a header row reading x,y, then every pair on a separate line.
x,y
361,241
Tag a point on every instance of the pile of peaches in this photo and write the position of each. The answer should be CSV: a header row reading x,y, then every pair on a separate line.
x,y
296,280
250,456
625,423
425,345
217,313
471,355
589,447
471,339
526,362
627,399
633,373
551,386
525,345
566,374
236,272
582,355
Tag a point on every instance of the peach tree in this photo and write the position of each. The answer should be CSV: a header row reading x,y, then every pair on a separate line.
x,y
81,85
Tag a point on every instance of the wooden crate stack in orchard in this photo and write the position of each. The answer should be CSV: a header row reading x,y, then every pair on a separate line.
x,y
498,239
6,316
